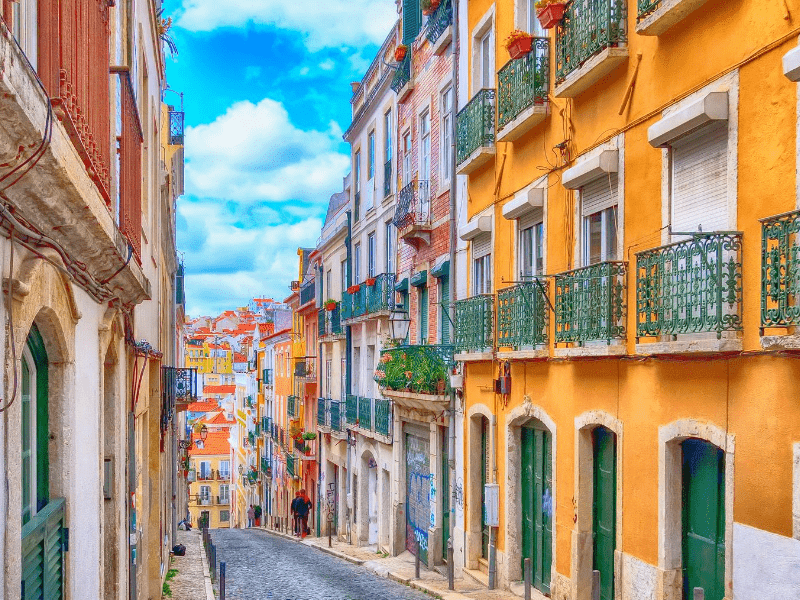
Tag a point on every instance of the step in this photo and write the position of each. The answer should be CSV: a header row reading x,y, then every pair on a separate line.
x,y
477,576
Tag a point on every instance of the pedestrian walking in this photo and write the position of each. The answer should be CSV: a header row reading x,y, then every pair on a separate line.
x,y
303,509
251,515
295,508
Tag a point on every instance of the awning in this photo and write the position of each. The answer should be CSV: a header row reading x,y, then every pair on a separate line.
x,y
419,279
441,267
402,285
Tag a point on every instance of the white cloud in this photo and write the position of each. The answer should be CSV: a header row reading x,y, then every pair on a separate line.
x,y
325,24
254,153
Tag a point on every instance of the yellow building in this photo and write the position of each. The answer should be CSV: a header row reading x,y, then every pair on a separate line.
x,y
627,334
210,476
208,356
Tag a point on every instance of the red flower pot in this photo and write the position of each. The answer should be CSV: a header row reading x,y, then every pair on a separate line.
x,y
551,15
400,53
520,47
370,281
330,306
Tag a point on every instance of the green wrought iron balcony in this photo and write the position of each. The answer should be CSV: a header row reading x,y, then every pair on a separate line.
x,y
291,465
523,315
439,21
590,303
291,406
587,29
523,85
351,409
380,295
691,286
646,8
251,438
321,319
383,416
329,321
307,292
421,369
475,131
402,75
780,271
365,413
474,318
413,206
335,415
321,412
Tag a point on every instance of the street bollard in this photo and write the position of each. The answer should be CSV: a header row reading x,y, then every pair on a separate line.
x,y
214,560
416,562
595,585
528,575
492,567
330,542
451,585
699,594
222,580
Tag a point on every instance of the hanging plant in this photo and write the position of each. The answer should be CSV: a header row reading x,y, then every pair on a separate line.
x,y
309,435
330,304
370,281
429,6
518,43
550,12
353,289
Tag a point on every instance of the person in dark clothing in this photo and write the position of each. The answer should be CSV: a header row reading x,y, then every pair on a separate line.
x,y
303,508
295,508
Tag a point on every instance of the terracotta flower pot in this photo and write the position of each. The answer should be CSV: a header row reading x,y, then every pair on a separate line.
x,y
400,53
551,15
330,306
370,281
520,47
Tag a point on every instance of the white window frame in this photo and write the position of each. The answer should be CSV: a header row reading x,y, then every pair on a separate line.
x,y
387,146
446,148
526,19
357,263
482,275
227,470
25,25
537,250
390,246
484,28
407,151
372,251
608,217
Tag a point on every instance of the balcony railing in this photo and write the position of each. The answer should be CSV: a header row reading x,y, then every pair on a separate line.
x,y
336,415
321,412
413,205
523,315
646,7
403,74
176,127
422,369
439,21
475,125
321,319
387,178
224,499
351,409
474,318
588,28
590,303
291,406
380,296
383,416
291,465
691,286
365,413
780,270
307,293
523,82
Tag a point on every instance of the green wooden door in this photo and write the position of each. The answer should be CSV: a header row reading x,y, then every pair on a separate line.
x,y
605,508
537,504
484,479
445,491
703,519
422,335
444,307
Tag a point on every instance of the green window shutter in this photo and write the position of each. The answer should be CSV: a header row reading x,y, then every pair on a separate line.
x,y
703,519
444,307
412,18
43,553
537,504
422,334
604,444
445,494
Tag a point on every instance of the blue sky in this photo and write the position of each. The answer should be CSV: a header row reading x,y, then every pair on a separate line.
x,y
266,88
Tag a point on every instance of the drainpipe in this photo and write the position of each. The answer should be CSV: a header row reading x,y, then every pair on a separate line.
x,y
349,369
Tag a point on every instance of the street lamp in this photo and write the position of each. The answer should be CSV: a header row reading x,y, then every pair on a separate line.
x,y
203,433
399,324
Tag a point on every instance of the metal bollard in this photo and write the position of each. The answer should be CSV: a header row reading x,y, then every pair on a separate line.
x,y
451,585
330,542
222,580
595,585
492,567
416,562
214,560
699,594
528,575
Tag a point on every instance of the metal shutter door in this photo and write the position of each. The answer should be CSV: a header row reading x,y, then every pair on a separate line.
x,y
482,245
530,219
599,194
699,180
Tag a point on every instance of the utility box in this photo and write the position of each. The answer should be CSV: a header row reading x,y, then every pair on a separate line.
x,y
492,504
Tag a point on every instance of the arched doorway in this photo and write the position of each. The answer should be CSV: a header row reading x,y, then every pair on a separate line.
x,y
536,486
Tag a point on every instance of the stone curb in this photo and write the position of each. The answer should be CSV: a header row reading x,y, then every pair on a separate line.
x,y
206,574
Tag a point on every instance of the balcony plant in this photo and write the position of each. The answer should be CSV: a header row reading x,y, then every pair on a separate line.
x,y
400,52
309,435
429,6
518,43
330,304
370,281
550,12
353,289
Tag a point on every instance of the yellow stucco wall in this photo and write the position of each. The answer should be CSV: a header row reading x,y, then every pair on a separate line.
x,y
213,508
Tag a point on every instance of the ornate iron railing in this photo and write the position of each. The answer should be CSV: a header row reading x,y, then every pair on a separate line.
x,y
590,303
780,270
691,286
383,416
322,319
403,74
588,27
365,413
351,409
523,315
176,127
413,205
264,465
291,406
474,317
380,296
387,178
291,465
346,307
321,412
523,82
646,7
475,125
251,437
423,369
439,21
336,415
307,292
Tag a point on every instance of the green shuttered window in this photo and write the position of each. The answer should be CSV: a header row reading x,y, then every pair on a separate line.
x,y
412,20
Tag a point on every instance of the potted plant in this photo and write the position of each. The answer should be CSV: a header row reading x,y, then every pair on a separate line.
x,y
330,304
400,52
309,435
550,12
518,43
429,6
370,281
353,289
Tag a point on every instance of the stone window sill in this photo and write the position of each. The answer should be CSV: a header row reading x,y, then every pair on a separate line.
x,y
592,350
666,15
473,356
691,346
592,71
476,160
523,123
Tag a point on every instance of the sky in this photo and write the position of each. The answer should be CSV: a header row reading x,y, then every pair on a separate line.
x,y
266,87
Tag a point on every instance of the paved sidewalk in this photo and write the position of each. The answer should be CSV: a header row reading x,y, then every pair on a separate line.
x,y
401,569
189,583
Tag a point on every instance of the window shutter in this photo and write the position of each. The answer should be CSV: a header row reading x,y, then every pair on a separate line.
x,y
599,194
411,20
530,219
444,306
699,180
482,245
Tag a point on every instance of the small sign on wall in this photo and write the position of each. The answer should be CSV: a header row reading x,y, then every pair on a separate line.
x,y
492,504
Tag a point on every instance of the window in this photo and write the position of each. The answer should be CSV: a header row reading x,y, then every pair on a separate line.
x,y
371,155
224,469
372,250
424,165
390,233
444,307
344,275
484,60
531,245
224,516
406,158
387,153
205,469
328,372
357,263
446,155
599,210
527,19
205,494
357,184
224,493
422,298
328,291
24,25
482,264
35,462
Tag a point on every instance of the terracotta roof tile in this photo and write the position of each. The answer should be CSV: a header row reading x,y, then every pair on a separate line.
x,y
219,389
208,406
216,443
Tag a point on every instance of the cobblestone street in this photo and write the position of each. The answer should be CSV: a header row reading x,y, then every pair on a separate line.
x,y
263,566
